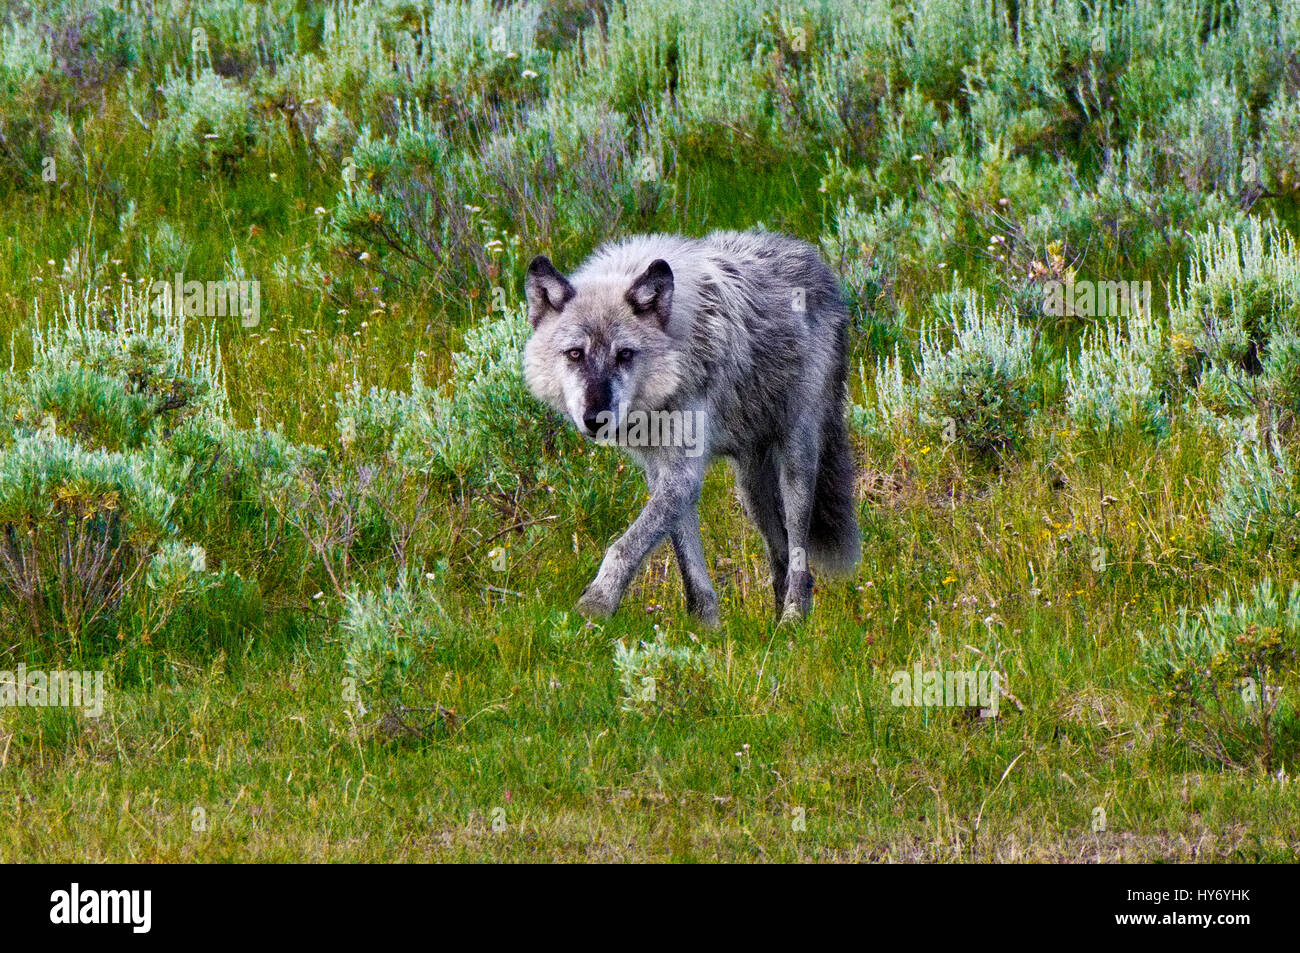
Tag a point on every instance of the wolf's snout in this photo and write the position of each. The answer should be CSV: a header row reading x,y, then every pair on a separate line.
x,y
597,400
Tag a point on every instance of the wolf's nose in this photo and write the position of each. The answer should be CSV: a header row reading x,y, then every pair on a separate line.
x,y
591,422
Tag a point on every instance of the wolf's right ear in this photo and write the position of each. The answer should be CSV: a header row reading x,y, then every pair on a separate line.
x,y
546,289
652,292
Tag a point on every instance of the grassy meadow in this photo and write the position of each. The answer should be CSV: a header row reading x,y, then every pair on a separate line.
x,y
325,547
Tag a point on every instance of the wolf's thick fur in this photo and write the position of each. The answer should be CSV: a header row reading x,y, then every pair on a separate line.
x,y
746,330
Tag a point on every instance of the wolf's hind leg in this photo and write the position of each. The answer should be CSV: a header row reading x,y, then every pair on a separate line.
x,y
701,600
759,483
798,477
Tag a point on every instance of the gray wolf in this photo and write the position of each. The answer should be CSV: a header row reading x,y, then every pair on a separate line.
x,y
738,336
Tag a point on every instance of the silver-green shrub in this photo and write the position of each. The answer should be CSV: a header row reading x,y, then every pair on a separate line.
x,y
1259,498
208,120
384,631
1219,675
1112,386
77,527
657,678
974,376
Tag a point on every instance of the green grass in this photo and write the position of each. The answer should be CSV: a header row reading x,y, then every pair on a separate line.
x,y
246,746
265,745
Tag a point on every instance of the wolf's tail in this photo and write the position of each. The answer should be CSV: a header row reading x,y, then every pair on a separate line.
x,y
834,543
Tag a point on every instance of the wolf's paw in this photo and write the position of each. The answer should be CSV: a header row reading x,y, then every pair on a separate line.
x,y
596,604
798,597
795,611
706,613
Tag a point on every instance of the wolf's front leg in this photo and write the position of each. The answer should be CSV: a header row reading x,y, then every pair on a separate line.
x,y
674,489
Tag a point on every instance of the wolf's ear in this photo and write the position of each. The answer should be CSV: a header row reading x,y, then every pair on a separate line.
x,y
546,289
652,293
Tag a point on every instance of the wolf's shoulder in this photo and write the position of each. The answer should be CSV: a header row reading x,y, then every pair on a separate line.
x,y
755,242
626,257
721,255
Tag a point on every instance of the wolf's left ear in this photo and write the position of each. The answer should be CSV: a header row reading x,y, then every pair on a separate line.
x,y
546,289
652,293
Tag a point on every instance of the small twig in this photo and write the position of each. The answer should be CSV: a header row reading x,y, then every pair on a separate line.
x,y
521,525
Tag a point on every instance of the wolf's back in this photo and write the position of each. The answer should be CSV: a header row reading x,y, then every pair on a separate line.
x,y
781,270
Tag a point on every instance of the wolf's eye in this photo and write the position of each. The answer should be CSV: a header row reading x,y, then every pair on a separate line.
x,y
626,355
574,354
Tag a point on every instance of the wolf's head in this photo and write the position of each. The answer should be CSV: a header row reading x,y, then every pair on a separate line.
x,y
600,344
